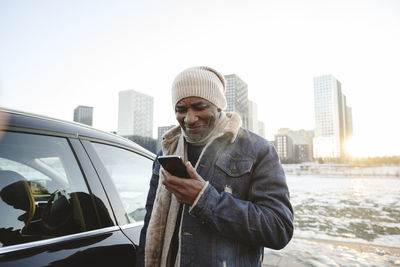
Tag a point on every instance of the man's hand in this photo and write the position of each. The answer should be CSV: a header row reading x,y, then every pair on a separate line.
x,y
184,189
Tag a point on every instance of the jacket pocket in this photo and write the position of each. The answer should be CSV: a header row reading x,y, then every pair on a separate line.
x,y
232,175
234,167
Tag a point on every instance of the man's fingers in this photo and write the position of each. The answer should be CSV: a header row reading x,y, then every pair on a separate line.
x,y
191,171
185,190
169,177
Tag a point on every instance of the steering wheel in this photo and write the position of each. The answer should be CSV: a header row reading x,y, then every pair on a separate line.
x,y
58,211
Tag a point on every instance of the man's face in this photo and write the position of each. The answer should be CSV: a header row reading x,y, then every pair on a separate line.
x,y
196,116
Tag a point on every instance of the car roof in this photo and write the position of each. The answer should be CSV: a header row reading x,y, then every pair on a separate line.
x,y
29,122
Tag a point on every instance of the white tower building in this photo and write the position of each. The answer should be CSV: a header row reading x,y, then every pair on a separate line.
x,y
331,118
253,117
84,114
237,97
135,114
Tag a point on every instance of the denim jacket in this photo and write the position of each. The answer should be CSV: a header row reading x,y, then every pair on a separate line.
x,y
244,208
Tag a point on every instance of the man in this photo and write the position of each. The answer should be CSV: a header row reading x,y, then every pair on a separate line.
x,y
236,201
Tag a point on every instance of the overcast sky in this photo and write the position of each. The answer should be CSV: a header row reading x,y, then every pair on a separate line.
x,y
56,55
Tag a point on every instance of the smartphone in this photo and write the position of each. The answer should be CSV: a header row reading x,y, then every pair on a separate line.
x,y
174,165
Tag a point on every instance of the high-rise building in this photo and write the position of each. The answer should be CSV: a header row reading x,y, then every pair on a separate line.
x,y
253,117
302,152
284,147
303,144
332,118
84,114
349,122
135,114
347,119
294,146
237,97
261,129
254,124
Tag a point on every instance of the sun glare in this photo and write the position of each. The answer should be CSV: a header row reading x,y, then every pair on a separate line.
x,y
354,148
358,148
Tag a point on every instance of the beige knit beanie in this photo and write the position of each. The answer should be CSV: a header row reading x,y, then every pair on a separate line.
x,y
203,82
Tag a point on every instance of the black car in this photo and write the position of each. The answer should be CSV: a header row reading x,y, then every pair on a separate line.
x,y
70,195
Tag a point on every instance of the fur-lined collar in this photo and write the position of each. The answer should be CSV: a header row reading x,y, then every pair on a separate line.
x,y
231,128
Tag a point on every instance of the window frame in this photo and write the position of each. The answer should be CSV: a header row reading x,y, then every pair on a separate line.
x,y
107,182
140,161
91,181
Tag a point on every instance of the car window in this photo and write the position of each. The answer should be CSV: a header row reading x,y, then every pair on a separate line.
x,y
131,174
43,193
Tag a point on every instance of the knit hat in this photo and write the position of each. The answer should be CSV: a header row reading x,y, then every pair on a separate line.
x,y
203,82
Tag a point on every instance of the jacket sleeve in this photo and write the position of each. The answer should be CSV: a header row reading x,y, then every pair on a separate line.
x,y
264,219
149,207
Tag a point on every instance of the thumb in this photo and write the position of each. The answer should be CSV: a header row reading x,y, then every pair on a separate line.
x,y
191,171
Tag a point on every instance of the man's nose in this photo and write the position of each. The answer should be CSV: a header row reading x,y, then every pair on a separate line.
x,y
190,117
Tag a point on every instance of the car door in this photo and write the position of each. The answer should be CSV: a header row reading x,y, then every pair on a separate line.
x,y
54,211
127,180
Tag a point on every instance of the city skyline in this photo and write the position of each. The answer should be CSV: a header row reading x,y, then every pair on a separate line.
x,y
56,56
135,110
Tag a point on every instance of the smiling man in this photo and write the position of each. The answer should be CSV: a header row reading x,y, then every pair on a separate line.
x,y
236,200
197,117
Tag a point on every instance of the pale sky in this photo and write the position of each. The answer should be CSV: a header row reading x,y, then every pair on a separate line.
x,y
56,55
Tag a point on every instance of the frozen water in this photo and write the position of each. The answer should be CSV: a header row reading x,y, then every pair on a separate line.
x,y
343,221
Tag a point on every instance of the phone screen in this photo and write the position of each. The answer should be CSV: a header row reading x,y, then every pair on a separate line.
x,y
174,165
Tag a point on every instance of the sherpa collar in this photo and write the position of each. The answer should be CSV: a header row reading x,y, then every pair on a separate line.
x,y
231,128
